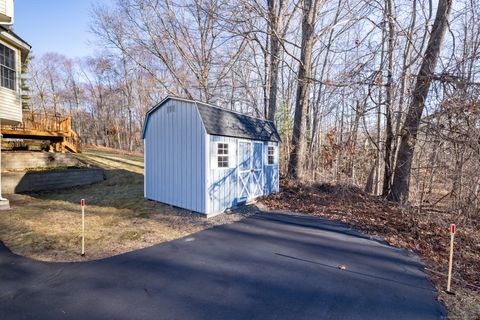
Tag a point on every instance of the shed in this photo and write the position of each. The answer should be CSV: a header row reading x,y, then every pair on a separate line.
x,y
207,159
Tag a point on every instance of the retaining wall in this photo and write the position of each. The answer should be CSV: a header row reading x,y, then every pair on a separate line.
x,y
20,160
17,182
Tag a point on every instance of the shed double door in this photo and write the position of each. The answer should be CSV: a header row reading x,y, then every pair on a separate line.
x,y
250,169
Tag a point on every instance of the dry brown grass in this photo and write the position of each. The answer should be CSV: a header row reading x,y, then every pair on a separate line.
x,y
46,226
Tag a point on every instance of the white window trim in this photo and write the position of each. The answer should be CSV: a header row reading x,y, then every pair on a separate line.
x,y
230,155
17,69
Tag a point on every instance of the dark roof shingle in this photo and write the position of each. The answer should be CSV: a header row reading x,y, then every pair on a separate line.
x,y
223,122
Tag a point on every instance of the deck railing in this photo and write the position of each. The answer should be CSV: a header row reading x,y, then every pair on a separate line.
x,y
43,122
37,124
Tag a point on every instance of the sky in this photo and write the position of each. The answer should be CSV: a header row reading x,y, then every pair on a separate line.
x,y
56,26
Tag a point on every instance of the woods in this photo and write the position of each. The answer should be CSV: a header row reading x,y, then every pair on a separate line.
x,y
382,95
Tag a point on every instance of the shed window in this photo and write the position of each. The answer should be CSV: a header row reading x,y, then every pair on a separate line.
x,y
222,155
271,155
7,67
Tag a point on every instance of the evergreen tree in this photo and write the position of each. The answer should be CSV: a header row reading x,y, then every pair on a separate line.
x,y
24,88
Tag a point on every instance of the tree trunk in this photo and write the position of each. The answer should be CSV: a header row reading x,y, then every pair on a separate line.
x,y
275,51
387,173
400,186
371,174
297,154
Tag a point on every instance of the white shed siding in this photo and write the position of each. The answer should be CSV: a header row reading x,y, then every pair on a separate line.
x,y
181,159
175,156
271,178
222,182
10,100
223,189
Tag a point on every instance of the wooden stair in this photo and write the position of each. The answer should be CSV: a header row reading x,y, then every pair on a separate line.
x,y
39,126
71,143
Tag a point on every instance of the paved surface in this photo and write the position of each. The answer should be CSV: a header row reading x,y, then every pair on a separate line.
x,y
264,267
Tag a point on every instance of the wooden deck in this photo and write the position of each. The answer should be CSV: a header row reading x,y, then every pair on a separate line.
x,y
38,126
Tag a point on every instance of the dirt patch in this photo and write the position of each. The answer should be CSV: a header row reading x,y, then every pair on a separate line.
x,y
47,226
425,233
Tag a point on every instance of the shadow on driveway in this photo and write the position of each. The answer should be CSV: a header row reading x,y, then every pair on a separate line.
x,y
267,266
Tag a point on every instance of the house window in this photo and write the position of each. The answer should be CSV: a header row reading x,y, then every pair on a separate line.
x,y
7,67
222,155
271,155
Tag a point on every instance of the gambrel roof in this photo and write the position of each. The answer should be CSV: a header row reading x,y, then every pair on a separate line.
x,y
223,122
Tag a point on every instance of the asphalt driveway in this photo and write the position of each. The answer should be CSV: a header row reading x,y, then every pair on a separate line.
x,y
268,266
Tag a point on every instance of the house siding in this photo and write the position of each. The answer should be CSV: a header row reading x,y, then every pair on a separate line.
x,y
3,7
175,156
6,9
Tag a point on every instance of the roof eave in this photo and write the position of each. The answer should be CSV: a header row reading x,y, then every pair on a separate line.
x,y
17,41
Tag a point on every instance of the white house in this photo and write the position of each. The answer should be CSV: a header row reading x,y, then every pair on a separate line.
x,y
13,52
207,159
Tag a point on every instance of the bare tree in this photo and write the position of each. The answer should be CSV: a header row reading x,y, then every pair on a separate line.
x,y
389,99
403,166
275,22
310,10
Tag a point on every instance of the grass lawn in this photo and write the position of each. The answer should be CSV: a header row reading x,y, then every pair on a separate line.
x,y
47,226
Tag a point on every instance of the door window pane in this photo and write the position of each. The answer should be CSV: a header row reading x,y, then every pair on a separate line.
x,y
271,155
